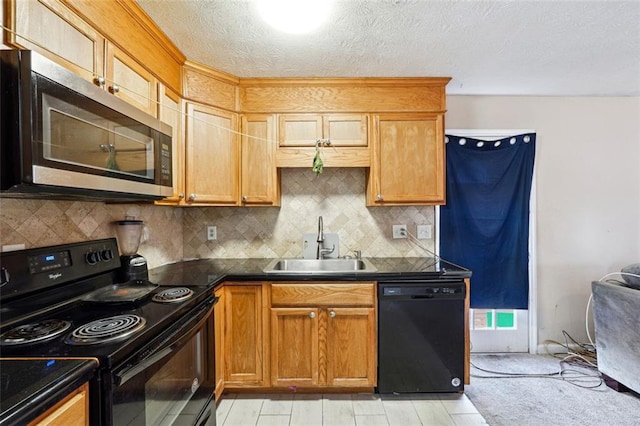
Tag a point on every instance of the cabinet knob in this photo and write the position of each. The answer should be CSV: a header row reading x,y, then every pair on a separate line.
x,y
181,195
192,197
114,88
244,198
99,81
379,197
332,314
312,314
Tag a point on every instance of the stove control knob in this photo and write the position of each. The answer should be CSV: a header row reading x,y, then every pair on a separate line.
x,y
92,257
106,255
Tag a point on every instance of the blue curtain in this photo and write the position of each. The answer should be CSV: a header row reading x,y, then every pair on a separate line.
x,y
485,224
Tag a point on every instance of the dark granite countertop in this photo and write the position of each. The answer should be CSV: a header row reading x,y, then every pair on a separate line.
x,y
28,387
209,272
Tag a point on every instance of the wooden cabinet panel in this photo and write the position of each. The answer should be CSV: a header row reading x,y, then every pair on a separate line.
x,y
346,129
219,333
408,160
243,345
213,156
294,346
351,347
129,81
299,129
315,343
303,130
73,410
296,294
259,176
170,112
56,32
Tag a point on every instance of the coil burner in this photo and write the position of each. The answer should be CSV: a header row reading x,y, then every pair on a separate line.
x,y
173,295
107,330
34,332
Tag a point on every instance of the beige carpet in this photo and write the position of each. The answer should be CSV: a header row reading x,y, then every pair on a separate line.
x,y
546,401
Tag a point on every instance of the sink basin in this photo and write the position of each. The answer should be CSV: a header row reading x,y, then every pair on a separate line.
x,y
324,266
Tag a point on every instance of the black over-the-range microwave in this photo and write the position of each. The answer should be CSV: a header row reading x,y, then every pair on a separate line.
x,y
62,137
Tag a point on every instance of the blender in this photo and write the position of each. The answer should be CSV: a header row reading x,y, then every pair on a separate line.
x,y
134,266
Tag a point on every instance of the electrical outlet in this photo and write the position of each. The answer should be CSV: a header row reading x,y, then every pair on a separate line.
x,y
399,231
212,233
424,232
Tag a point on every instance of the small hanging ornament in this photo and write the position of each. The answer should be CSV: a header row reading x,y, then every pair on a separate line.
x,y
318,164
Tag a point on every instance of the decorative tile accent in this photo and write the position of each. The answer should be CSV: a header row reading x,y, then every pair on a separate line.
x,y
338,195
38,223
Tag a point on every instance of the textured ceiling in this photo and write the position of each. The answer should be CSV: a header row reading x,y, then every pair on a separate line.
x,y
487,47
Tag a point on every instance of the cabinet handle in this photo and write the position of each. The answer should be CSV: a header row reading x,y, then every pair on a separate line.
x,y
244,198
192,197
379,197
99,81
312,314
114,88
332,314
181,196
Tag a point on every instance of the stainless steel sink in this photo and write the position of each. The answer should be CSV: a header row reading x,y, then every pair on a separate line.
x,y
317,266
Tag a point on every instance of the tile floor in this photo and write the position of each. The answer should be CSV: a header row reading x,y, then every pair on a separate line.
x,y
346,409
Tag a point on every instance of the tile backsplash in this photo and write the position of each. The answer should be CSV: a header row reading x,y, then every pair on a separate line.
x,y
338,195
37,223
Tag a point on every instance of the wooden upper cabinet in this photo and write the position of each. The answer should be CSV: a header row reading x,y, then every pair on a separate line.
x,y
170,112
212,156
303,130
129,81
259,176
407,160
54,30
50,28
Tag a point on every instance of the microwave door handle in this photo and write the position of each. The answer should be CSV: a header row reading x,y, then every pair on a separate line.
x,y
131,371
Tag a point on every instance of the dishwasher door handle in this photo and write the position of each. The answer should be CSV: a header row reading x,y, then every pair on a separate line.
x,y
423,296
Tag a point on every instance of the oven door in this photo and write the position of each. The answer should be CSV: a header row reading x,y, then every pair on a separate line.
x,y
170,382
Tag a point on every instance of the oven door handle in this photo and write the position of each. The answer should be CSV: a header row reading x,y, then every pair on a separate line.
x,y
168,345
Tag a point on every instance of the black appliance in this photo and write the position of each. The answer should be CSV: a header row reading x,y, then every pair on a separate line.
x,y
154,343
421,336
64,137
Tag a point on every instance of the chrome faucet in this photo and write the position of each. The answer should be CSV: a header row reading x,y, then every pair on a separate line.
x,y
321,251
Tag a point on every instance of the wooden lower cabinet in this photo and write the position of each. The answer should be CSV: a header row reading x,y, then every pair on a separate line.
x,y
244,331
323,335
218,325
72,410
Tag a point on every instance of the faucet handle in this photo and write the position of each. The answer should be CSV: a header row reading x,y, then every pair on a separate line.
x,y
358,254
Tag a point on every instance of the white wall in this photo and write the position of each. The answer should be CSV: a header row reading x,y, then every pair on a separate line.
x,y
588,191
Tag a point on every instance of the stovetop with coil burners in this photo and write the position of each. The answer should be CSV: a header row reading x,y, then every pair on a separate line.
x,y
44,290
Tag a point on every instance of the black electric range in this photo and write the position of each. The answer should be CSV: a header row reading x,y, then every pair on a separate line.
x,y
65,302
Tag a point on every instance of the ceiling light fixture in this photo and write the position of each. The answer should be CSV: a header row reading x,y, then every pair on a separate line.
x,y
294,16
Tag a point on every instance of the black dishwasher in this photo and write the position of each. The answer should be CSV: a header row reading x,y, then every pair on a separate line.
x,y
421,336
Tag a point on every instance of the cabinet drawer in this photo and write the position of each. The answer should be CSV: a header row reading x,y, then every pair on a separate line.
x,y
329,294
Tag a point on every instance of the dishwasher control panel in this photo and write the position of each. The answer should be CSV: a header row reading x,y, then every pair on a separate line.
x,y
423,290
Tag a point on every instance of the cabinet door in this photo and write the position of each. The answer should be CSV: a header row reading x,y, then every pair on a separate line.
x,y
346,129
299,129
129,81
218,325
259,180
73,410
170,112
351,347
408,160
54,31
294,346
213,156
243,345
